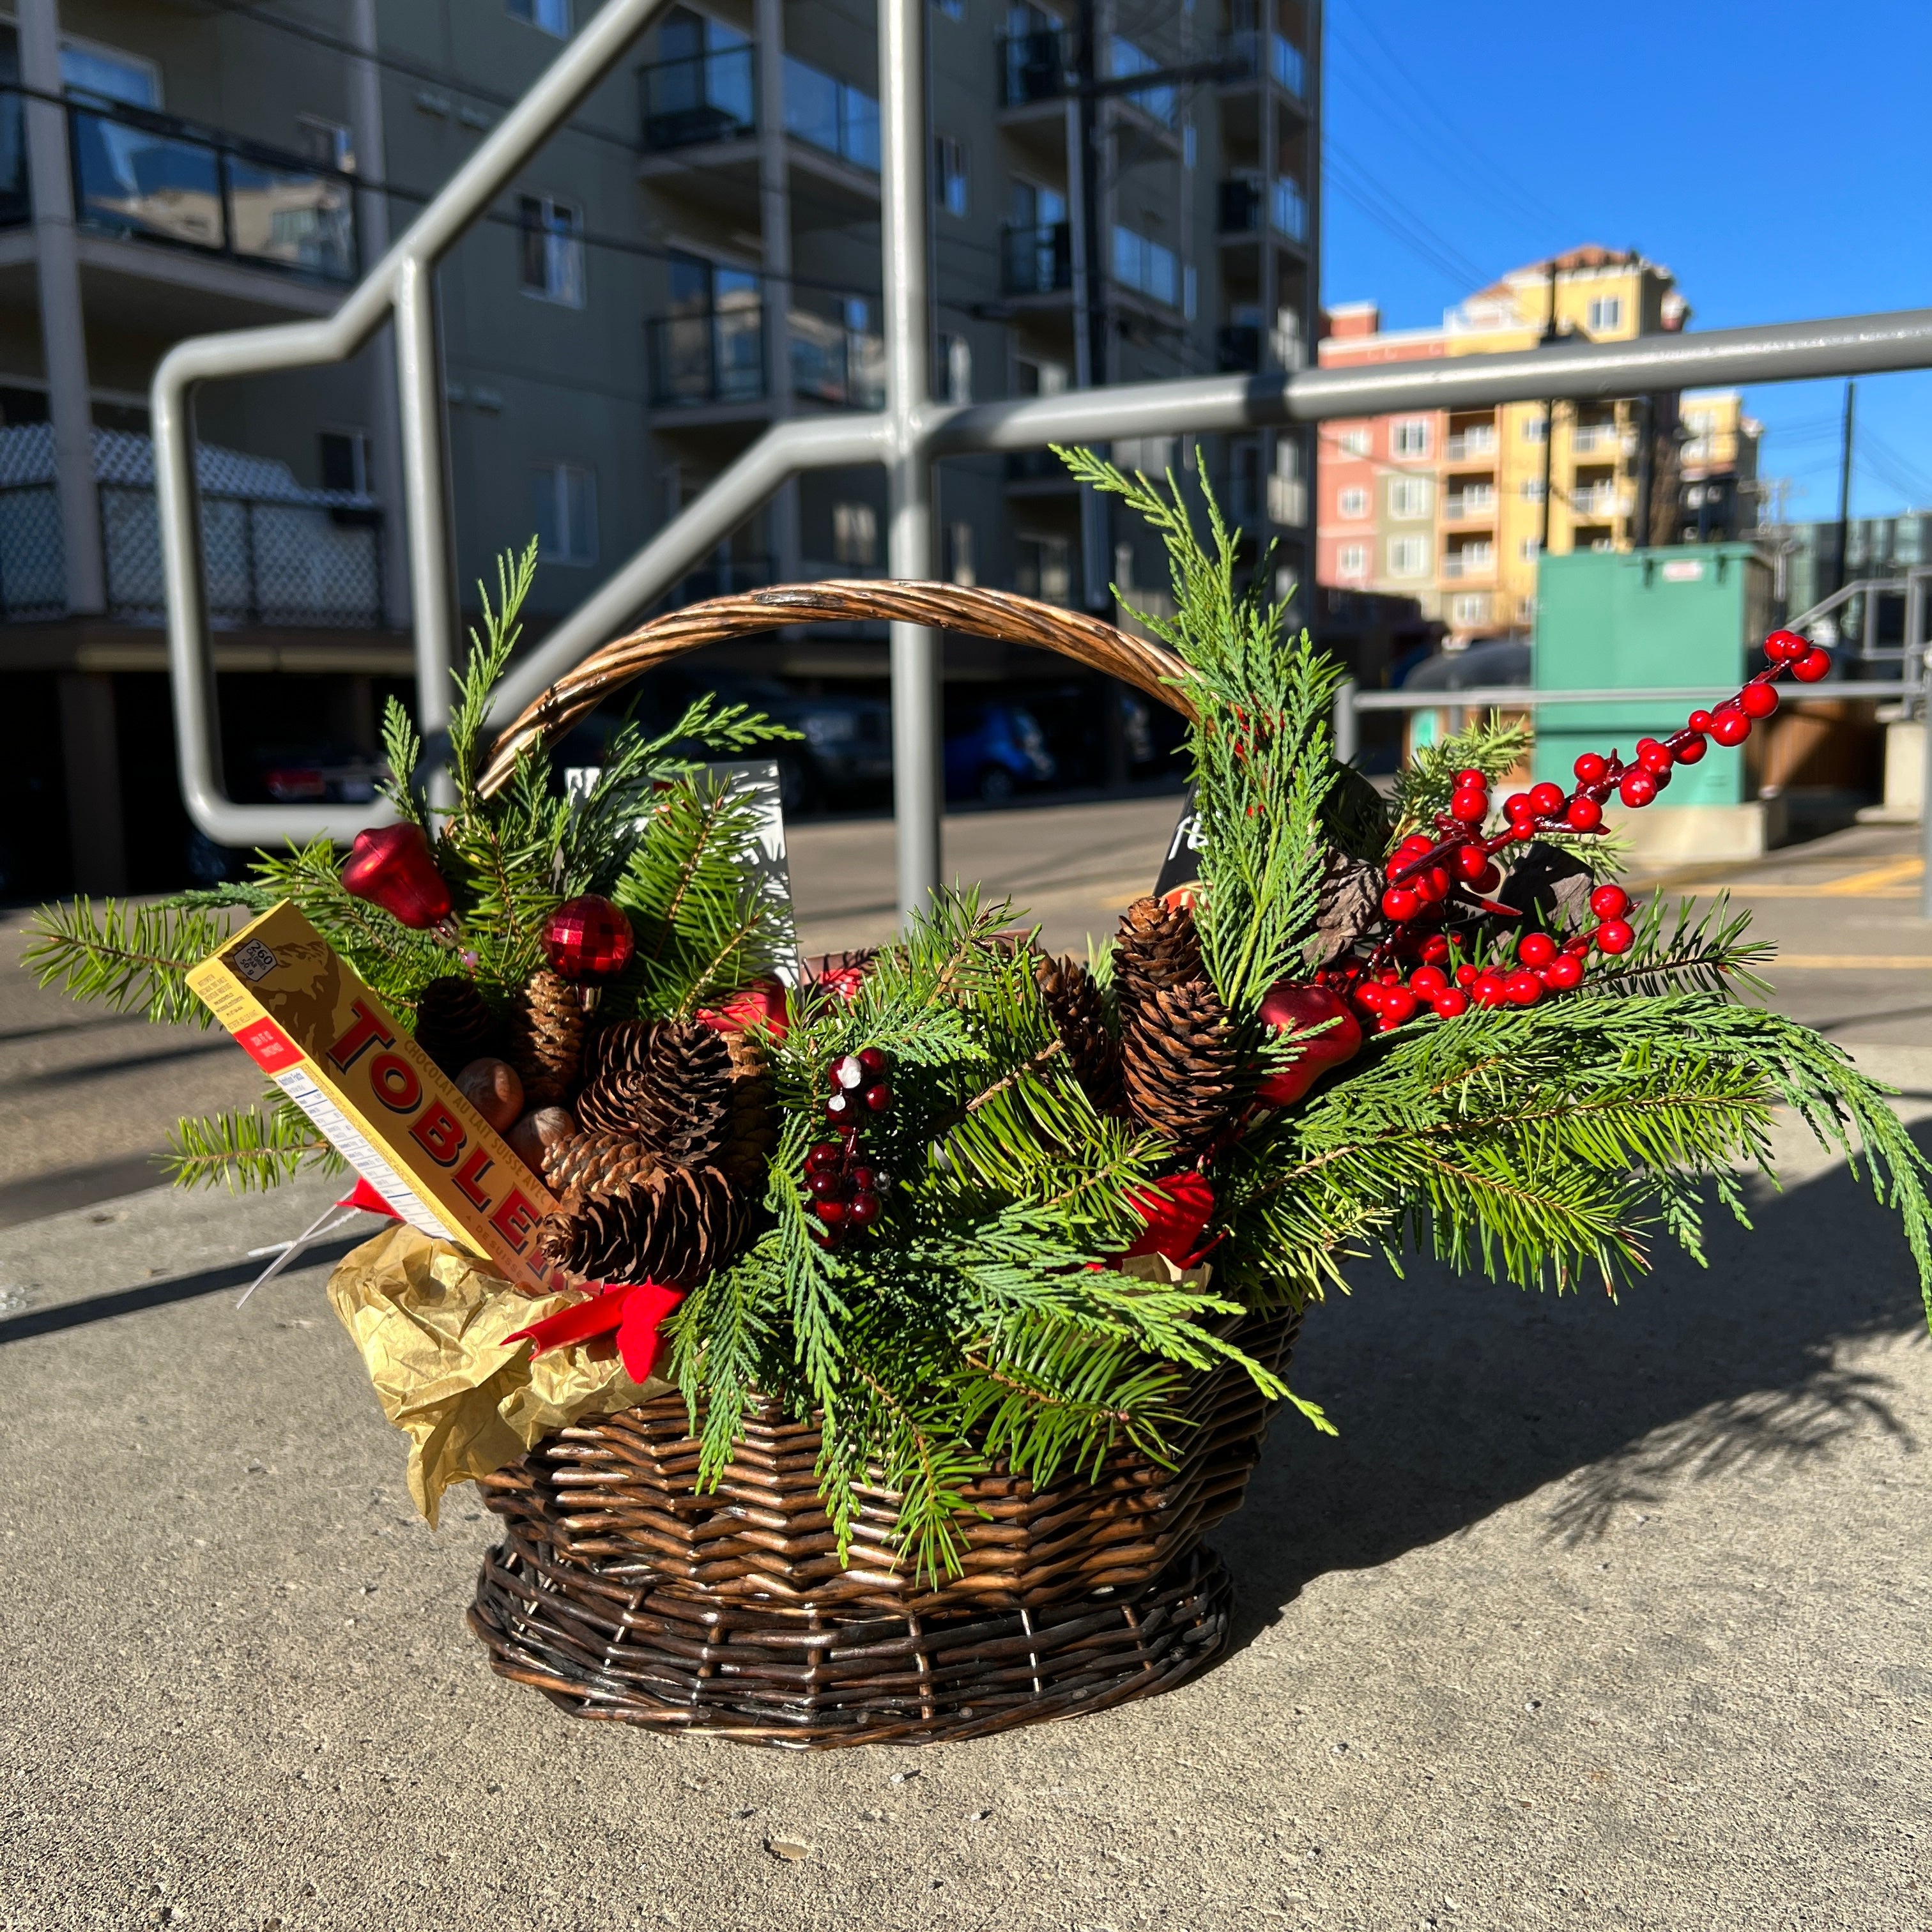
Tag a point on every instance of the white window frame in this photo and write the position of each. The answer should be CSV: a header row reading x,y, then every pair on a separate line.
x,y
1352,503
1351,561
951,176
1357,441
1533,429
855,534
565,530
1410,499
1469,607
1604,312
563,264
1409,436
1409,556
553,17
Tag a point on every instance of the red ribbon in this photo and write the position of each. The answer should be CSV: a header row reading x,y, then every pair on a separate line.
x,y
365,1197
631,1309
1176,1209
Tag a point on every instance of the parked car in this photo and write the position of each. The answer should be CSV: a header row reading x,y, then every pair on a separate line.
x,y
994,750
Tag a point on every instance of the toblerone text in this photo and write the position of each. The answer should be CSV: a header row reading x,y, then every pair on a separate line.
x,y
305,1019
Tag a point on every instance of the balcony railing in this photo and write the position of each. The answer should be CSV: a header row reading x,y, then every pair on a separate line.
x,y
1471,560
1251,53
710,97
1586,437
1597,499
832,115
1459,503
145,177
718,356
1034,67
1037,261
1242,198
1463,445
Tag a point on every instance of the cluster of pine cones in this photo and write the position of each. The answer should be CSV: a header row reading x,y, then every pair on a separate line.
x,y
660,1151
1177,1064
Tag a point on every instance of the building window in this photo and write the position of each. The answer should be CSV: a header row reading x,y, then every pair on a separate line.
x,y
1605,313
1526,610
345,461
1043,567
1148,455
959,555
1410,437
1351,560
553,244
91,72
1468,609
1409,556
564,497
1409,496
1353,502
1142,263
1529,549
1535,429
855,534
949,174
955,369
1353,442
1531,489
327,143
549,16
953,10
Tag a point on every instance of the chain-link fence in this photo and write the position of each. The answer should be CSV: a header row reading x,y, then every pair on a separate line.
x,y
265,563
33,567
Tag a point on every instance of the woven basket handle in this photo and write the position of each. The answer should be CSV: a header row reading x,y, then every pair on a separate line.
x,y
1149,667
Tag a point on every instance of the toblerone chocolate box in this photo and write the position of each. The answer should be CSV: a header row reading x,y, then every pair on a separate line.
x,y
305,1019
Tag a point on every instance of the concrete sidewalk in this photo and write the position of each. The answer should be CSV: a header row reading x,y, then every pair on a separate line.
x,y
1593,1614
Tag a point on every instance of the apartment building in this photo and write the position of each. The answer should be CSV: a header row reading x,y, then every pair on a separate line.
x,y
695,257
1455,509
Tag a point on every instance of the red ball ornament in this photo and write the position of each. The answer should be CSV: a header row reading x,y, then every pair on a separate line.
x,y
588,938
1585,815
1637,788
1786,646
1609,902
1400,904
764,1002
1615,935
1728,725
1592,768
1523,988
1536,949
1699,721
1548,799
1563,972
392,867
1518,806
1689,748
1288,1008
1813,666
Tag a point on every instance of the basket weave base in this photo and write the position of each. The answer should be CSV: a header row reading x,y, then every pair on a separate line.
x,y
603,1643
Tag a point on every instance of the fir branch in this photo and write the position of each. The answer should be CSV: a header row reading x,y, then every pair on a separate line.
x,y
131,958
402,752
1423,786
248,1148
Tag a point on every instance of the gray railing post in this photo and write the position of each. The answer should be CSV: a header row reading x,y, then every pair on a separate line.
x,y
1347,735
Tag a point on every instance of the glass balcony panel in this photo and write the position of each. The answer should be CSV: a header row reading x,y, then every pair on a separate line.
x,y
708,97
142,184
294,218
1035,66
1290,211
1039,261
16,206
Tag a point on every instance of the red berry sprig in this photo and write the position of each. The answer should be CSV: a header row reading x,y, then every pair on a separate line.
x,y
844,1189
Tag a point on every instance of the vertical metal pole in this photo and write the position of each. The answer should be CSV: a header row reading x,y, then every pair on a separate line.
x,y
775,226
1346,740
903,215
419,377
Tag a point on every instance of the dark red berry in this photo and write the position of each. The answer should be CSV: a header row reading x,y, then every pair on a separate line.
x,y
864,1179
879,1098
1690,748
1435,949
825,1154
864,1209
872,1061
826,1186
831,1212
842,1109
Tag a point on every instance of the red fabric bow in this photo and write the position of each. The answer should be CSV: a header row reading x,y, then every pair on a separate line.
x,y
1176,1209
632,1309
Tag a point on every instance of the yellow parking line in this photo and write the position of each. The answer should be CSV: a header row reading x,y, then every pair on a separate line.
x,y
1859,883
1875,882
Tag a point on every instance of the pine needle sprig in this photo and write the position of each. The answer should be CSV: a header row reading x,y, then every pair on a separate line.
x,y
1706,951
132,958
249,1148
1425,785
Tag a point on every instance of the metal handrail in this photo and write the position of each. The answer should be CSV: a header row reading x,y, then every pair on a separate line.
x,y
907,436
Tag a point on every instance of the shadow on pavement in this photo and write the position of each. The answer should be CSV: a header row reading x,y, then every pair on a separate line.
x,y
1456,1397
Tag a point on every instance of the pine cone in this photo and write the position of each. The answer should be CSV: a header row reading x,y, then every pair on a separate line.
x,y
676,1228
1180,1059
598,1164
617,1046
684,1099
1158,946
453,1023
751,1135
1079,1010
546,1040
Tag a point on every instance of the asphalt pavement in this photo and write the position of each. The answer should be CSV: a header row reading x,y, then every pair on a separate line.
x,y
1594,1614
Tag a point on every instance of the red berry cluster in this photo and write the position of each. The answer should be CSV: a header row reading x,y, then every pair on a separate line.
x,y
844,1189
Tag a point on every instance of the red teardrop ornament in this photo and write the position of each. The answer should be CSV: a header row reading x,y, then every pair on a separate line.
x,y
1288,1008
391,867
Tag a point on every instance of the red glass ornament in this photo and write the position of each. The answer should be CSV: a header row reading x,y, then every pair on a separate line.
x,y
1615,935
1699,721
1536,949
1563,972
1758,699
1400,904
1786,646
1637,788
1585,815
1451,1002
1288,1008
1690,748
826,1156
1609,902
764,1002
1547,798
1592,768
1813,665
392,868
1728,725
588,938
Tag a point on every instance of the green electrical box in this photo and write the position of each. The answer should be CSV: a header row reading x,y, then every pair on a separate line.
x,y
1665,620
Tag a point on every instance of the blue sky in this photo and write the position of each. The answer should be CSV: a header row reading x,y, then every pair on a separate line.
x,y
1775,156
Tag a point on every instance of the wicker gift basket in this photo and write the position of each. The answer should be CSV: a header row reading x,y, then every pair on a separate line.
x,y
858,1351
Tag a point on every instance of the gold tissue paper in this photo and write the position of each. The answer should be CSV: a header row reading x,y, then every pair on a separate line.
x,y
430,1322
